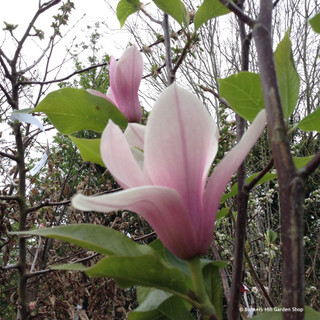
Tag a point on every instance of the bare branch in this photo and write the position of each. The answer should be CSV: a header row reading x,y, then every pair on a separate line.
x,y
310,167
238,12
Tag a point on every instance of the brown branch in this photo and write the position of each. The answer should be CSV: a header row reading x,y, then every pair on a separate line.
x,y
242,199
66,77
256,279
261,174
290,183
47,203
40,272
144,236
7,155
310,167
221,100
238,12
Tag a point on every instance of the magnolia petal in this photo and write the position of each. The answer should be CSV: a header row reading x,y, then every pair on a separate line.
x,y
181,142
109,96
135,135
125,78
118,158
227,167
161,207
138,156
96,93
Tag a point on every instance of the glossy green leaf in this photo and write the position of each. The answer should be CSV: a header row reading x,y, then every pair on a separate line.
x,y
144,270
89,149
160,305
315,23
97,238
311,122
209,9
174,8
71,110
174,309
287,75
213,285
148,305
309,314
243,92
125,8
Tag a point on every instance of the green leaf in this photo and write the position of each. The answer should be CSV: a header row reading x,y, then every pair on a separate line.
x,y
301,161
222,213
152,299
208,10
244,93
315,23
271,236
143,270
94,237
287,75
89,149
234,189
174,309
174,8
160,305
71,110
213,285
309,314
311,122
125,8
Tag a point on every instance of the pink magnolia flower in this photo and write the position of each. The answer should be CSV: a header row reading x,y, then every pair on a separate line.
x,y
125,77
166,183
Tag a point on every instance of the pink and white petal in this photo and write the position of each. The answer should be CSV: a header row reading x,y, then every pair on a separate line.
x,y
228,166
118,158
181,142
126,82
135,135
96,93
139,157
110,96
112,70
130,67
161,207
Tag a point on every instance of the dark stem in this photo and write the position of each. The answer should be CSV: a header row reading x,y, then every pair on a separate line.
x,y
291,185
242,202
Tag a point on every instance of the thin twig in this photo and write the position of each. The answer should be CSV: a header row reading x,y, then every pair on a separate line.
x,y
221,100
310,167
238,12
261,174
256,279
